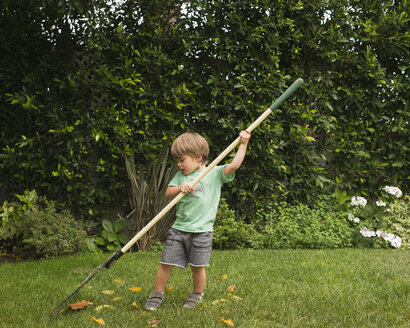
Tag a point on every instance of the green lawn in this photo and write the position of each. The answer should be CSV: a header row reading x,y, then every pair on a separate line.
x,y
273,288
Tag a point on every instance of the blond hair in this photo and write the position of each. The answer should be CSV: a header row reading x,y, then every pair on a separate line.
x,y
191,144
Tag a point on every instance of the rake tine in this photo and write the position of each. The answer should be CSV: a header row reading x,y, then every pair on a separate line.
x,y
76,296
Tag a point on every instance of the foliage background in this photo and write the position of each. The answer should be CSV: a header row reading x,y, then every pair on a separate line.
x,y
83,82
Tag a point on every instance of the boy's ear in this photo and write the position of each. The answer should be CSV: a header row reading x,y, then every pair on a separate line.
x,y
199,158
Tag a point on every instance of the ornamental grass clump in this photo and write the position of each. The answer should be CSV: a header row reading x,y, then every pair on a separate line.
x,y
377,225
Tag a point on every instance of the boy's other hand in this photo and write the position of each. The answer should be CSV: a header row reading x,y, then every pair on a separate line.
x,y
245,135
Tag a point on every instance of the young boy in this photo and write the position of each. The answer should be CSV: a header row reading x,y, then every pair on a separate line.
x,y
189,240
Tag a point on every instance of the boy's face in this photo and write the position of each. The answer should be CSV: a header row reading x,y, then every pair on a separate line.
x,y
188,164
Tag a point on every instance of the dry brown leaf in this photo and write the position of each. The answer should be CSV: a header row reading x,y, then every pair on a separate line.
x,y
108,292
135,289
79,305
154,322
228,322
101,322
231,288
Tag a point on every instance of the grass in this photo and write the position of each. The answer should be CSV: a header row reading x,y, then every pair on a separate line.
x,y
278,288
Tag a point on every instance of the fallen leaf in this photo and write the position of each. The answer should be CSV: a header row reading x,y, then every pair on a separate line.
x,y
154,322
79,305
101,322
225,276
231,288
117,299
135,289
222,300
170,288
108,292
135,305
228,322
99,308
235,297
118,281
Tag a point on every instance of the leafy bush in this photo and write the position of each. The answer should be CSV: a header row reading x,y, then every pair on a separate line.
x,y
111,238
33,224
375,224
231,234
299,226
398,220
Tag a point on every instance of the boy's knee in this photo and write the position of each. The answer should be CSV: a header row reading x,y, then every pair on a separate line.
x,y
197,268
166,267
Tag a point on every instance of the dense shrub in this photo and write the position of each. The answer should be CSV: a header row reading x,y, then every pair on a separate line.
x,y
299,226
231,234
398,220
34,225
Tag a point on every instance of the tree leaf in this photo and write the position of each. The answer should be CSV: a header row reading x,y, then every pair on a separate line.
x,y
79,305
101,322
228,322
135,289
154,322
108,292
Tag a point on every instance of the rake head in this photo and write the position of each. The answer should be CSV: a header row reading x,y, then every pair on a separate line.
x,y
76,296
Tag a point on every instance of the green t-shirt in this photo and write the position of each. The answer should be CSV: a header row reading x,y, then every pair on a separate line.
x,y
196,211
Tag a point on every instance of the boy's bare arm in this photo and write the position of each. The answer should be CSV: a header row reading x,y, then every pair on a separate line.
x,y
240,154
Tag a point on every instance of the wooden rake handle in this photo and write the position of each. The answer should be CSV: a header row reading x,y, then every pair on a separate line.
x,y
172,203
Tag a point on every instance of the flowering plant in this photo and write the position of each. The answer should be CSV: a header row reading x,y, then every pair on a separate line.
x,y
370,219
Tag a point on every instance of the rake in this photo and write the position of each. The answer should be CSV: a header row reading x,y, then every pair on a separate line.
x,y
76,296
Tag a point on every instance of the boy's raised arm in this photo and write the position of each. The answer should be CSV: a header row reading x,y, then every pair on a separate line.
x,y
240,154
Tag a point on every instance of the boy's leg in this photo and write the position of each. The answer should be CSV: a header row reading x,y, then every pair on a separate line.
x,y
163,274
157,296
198,278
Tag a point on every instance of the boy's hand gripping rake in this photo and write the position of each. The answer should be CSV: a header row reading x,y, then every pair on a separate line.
x,y
75,296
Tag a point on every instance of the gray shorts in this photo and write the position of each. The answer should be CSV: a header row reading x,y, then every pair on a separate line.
x,y
183,248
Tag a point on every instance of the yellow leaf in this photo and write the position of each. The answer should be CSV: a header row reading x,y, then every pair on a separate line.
x,y
99,308
135,305
108,292
78,305
235,297
231,288
228,322
118,281
154,322
135,289
117,299
101,322
222,300
170,288
225,276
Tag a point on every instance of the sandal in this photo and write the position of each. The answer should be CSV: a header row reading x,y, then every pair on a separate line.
x,y
193,300
154,301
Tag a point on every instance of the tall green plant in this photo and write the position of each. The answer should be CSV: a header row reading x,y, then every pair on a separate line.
x,y
147,198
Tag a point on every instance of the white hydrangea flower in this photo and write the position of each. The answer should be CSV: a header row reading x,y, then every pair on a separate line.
x,y
395,191
380,203
367,232
396,242
356,220
358,201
